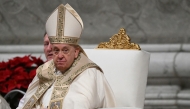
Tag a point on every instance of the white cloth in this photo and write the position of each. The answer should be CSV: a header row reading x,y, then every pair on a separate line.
x,y
32,87
126,71
89,90
3,103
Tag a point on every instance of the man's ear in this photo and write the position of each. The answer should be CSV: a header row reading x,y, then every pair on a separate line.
x,y
77,50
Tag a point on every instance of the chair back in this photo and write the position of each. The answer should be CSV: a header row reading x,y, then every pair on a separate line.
x,y
126,71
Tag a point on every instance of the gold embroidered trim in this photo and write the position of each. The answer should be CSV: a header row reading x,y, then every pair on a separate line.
x,y
119,41
61,89
79,71
30,102
56,104
59,92
45,82
60,21
61,86
42,88
65,39
49,69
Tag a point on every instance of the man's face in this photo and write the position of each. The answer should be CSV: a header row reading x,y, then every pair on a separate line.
x,y
64,55
47,48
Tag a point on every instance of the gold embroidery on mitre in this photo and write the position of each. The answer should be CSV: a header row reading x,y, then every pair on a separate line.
x,y
119,41
60,35
65,39
60,21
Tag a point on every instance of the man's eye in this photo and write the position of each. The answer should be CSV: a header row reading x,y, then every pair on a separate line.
x,y
56,51
65,51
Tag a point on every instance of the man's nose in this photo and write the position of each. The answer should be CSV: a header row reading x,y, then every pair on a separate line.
x,y
49,48
60,55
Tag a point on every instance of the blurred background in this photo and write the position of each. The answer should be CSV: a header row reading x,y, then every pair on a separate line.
x,y
161,27
146,21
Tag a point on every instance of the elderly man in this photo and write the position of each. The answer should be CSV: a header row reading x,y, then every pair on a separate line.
x,y
48,54
47,48
70,80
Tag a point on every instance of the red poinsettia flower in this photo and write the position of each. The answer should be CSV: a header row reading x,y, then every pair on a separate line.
x,y
3,87
11,84
18,72
3,65
14,62
37,61
23,83
5,74
26,61
32,74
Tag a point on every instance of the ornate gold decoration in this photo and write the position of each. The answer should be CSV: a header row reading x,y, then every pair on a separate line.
x,y
119,41
64,39
60,21
56,105
30,103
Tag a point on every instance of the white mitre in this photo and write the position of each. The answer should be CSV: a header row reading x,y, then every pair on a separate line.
x,y
64,25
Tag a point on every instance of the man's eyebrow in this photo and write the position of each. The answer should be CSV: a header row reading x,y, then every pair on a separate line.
x,y
65,47
55,48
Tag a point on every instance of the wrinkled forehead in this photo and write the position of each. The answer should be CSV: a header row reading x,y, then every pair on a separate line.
x,y
61,45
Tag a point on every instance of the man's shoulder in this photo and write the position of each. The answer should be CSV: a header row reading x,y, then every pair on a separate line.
x,y
92,72
46,65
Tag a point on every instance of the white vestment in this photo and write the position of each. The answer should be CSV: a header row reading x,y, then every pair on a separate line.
x,y
89,90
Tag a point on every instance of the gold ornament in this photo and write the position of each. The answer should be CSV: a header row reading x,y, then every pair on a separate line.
x,y
119,41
